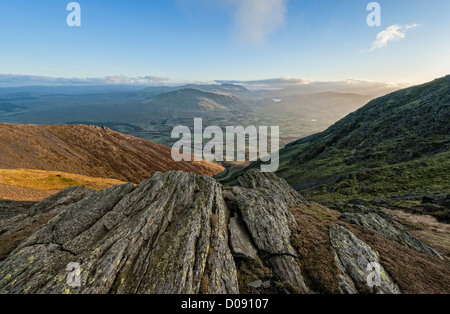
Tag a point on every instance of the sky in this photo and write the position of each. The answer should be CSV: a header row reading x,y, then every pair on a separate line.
x,y
181,41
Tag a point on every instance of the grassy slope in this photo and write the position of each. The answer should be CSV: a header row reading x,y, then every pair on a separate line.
x,y
425,176
396,144
51,180
35,185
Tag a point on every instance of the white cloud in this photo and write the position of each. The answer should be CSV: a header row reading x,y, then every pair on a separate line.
x,y
255,20
282,82
392,33
122,79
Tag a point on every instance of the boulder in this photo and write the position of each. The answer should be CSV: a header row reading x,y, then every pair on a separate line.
x,y
353,257
391,230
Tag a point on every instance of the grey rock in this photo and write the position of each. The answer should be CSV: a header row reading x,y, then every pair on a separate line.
x,y
254,179
167,235
265,211
391,230
346,285
362,209
9,209
256,284
18,228
352,258
241,242
266,284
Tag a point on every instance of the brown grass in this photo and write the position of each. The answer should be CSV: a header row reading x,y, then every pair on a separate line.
x,y
89,151
414,272
312,243
36,185
52,180
249,271
427,229
15,193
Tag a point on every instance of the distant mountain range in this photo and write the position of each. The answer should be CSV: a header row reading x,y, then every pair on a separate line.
x,y
152,112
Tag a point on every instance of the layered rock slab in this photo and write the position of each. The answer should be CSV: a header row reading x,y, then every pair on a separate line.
x,y
353,258
263,200
391,230
167,235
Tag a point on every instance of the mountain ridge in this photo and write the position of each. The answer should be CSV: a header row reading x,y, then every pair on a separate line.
x,y
88,150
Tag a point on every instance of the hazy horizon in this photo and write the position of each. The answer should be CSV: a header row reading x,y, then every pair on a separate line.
x,y
34,81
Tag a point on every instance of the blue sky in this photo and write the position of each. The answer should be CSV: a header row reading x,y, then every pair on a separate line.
x,y
206,40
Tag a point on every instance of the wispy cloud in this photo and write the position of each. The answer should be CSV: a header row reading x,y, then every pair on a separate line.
x,y
11,80
255,20
392,33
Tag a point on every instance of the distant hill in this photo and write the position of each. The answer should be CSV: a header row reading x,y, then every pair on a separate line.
x,y
397,145
194,100
88,150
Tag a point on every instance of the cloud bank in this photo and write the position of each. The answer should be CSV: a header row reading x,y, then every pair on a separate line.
x,y
282,82
13,80
392,33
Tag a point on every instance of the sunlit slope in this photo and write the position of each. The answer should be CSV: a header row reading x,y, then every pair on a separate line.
x,y
35,185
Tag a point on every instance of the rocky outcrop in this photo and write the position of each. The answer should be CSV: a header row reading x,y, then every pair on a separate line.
x,y
145,239
389,229
265,208
240,240
177,233
270,182
170,234
19,227
355,260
